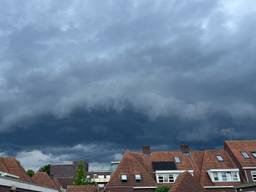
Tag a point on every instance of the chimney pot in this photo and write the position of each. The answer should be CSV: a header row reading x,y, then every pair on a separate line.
x,y
146,150
185,148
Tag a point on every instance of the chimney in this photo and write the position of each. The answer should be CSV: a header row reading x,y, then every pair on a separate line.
x,y
185,149
146,150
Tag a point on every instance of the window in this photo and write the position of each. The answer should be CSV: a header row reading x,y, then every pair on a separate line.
x,y
215,176
124,178
166,178
234,176
254,154
137,178
253,176
160,179
171,179
177,160
224,176
245,155
219,158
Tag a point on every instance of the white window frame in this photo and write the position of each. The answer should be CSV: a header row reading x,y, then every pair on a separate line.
x,y
177,159
219,158
137,177
124,178
253,173
224,175
169,176
253,154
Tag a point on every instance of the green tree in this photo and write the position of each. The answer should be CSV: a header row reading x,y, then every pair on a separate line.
x,y
81,175
162,188
46,168
30,172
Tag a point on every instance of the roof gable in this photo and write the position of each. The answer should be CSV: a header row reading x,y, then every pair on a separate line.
x,y
186,183
43,179
12,166
236,147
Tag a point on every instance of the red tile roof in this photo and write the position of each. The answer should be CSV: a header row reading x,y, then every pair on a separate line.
x,y
186,183
12,166
131,164
236,147
82,188
65,181
44,180
139,163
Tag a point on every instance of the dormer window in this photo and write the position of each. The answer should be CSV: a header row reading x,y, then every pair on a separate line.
x,y
124,178
253,176
245,155
177,160
224,175
137,177
254,154
219,158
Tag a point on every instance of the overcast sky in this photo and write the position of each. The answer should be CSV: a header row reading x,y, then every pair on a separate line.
x,y
88,79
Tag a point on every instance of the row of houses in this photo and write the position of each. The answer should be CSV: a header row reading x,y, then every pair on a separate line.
x,y
13,178
232,168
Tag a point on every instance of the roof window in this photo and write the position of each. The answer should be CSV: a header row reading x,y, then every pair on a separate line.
x,y
219,158
124,178
245,155
177,160
137,177
254,154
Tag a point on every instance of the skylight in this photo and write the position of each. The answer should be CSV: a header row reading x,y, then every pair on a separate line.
x,y
124,178
245,155
138,177
219,158
254,154
177,160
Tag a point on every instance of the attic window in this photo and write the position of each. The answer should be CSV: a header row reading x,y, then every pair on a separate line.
x,y
219,158
137,177
124,178
253,176
177,160
254,154
245,155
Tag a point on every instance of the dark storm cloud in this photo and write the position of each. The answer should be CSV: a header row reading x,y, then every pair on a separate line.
x,y
122,74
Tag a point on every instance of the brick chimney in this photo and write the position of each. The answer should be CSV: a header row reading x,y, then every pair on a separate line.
x,y
185,149
146,150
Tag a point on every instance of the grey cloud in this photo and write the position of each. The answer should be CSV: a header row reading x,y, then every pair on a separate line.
x,y
145,71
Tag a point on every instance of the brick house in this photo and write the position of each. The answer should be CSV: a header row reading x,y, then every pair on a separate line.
x,y
65,173
222,170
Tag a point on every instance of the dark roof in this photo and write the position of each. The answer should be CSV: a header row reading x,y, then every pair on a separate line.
x,y
66,170
186,183
12,166
164,165
63,170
